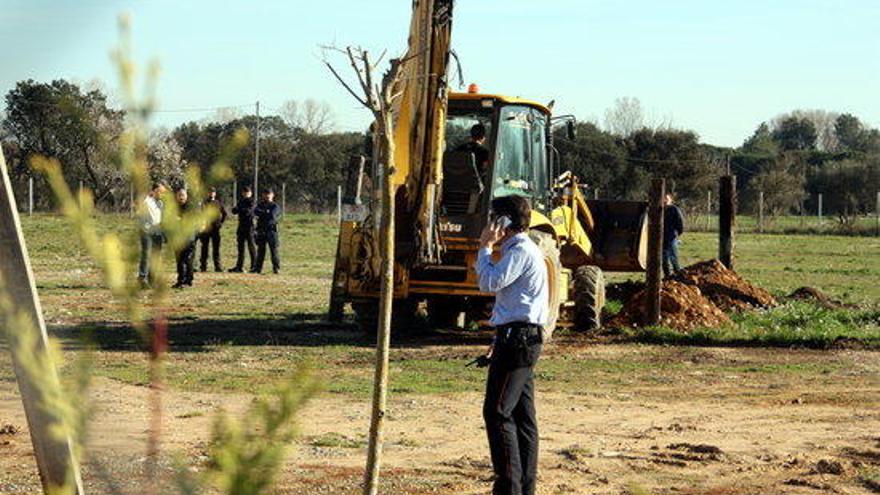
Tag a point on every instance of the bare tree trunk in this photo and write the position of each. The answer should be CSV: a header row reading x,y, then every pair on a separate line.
x,y
386,300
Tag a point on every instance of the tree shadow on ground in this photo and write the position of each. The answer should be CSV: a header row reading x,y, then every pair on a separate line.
x,y
297,330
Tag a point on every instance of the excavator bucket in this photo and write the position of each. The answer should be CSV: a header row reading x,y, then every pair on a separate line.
x,y
620,238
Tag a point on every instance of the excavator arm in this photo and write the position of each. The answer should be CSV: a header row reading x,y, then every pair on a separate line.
x,y
419,116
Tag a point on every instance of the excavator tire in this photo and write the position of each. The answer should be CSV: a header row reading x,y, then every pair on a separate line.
x,y
403,315
547,244
589,297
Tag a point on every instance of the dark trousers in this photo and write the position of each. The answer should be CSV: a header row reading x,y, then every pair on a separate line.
x,y
185,260
244,238
148,243
670,257
509,413
269,239
212,238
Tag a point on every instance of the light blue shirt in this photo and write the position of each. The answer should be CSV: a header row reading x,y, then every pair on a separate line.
x,y
519,281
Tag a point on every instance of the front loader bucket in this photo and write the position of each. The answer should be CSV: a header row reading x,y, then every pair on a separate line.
x,y
620,238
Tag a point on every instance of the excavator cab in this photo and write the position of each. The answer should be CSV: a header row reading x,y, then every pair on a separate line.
x,y
516,144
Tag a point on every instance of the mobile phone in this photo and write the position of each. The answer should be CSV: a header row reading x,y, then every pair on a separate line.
x,y
503,222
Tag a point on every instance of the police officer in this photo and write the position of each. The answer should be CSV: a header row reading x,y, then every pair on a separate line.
x,y
244,235
186,254
267,213
211,234
519,281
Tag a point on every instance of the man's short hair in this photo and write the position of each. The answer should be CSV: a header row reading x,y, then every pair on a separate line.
x,y
268,190
156,185
478,131
246,189
517,208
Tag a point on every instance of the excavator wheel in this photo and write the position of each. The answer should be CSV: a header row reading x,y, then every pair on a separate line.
x,y
403,315
548,247
589,297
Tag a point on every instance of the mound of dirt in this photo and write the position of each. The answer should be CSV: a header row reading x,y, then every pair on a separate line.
x,y
725,287
682,306
818,297
623,291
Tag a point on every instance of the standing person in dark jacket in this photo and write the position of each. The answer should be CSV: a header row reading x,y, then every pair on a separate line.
x,y
211,234
673,227
477,146
186,254
267,213
245,233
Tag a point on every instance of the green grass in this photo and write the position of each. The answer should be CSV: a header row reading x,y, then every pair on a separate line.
x,y
242,333
792,324
846,268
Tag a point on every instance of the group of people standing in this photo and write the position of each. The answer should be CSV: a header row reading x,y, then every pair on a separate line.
x,y
257,230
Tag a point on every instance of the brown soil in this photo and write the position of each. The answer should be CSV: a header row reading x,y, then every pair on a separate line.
x,y
816,296
725,287
682,307
710,430
697,296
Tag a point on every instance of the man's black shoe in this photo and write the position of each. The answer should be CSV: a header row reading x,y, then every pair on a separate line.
x,y
178,286
276,270
235,270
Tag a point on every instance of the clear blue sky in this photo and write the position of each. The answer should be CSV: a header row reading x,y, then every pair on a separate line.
x,y
718,68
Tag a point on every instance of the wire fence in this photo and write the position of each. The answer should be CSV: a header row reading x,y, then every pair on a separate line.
x,y
813,219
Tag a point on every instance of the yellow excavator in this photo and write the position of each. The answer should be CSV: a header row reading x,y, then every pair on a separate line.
x,y
443,189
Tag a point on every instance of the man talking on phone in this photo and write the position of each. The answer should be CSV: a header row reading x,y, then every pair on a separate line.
x,y
519,281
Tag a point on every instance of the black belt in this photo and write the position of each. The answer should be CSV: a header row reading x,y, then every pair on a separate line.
x,y
508,330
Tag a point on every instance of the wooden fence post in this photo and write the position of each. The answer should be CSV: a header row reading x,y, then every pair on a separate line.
x,y
30,196
708,210
761,212
338,204
726,220
283,198
55,460
653,277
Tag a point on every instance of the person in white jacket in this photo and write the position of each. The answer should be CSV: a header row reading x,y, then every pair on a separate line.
x,y
151,230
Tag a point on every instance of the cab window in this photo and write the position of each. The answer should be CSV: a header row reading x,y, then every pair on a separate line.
x,y
521,156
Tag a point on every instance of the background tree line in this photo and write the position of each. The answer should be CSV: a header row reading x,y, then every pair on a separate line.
x,y
791,158
60,120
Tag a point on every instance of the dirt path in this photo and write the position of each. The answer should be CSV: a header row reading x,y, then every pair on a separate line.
x,y
739,435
